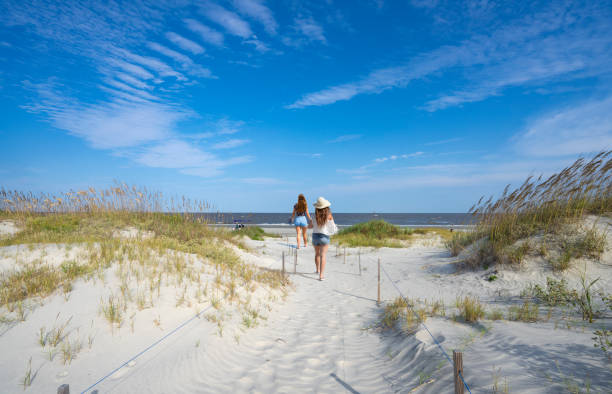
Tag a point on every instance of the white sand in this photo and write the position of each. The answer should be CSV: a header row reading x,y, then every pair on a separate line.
x,y
7,228
321,338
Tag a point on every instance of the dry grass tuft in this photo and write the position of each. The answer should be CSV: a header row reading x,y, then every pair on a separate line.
x,y
470,308
173,246
542,207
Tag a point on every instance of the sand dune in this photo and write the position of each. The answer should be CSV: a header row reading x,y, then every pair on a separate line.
x,y
322,337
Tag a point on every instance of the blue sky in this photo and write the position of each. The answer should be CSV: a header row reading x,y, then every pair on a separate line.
x,y
387,106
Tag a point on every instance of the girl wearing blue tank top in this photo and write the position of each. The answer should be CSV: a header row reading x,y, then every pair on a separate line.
x,y
300,217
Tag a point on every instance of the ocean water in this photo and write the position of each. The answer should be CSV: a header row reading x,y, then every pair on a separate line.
x,y
347,219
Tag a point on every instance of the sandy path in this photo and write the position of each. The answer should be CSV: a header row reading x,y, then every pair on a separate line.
x,y
323,338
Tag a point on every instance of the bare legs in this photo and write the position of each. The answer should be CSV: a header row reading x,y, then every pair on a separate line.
x,y
304,231
320,253
297,230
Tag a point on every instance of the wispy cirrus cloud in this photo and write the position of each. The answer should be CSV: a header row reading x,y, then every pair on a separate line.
x,y
187,64
131,108
375,162
206,33
305,30
231,143
229,20
113,125
578,129
344,138
185,43
564,42
257,10
311,29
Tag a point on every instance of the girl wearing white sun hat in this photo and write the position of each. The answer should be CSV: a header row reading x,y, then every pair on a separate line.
x,y
323,227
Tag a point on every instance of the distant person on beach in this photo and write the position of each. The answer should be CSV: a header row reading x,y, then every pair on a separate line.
x,y
323,227
299,219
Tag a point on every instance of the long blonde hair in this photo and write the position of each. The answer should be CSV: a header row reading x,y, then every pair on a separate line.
x,y
321,214
301,205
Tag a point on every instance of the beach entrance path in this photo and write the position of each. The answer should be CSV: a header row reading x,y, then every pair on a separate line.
x,y
326,337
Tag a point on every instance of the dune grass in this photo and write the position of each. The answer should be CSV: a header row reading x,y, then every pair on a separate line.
x,y
167,233
543,207
255,232
379,233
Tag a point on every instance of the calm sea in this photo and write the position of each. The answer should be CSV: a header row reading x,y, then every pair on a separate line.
x,y
347,219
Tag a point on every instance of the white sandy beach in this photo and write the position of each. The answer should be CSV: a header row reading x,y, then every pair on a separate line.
x,y
320,337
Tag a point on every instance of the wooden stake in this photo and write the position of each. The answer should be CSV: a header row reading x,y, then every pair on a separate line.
x,y
295,263
378,298
345,255
458,369
359,262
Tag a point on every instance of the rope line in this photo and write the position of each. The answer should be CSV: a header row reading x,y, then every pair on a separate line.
x,y
423,324
147,349
197,315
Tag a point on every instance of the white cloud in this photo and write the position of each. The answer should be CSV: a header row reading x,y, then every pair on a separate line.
x,y
367,167
185,61
344,138
257,10
226,126
132,81
582,128
259,46
207,34
130,68
232,143
555,45
232,23
311,29
185,43
151,63
126,88
174,154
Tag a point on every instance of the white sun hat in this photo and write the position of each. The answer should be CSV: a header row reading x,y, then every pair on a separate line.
x,y
321,203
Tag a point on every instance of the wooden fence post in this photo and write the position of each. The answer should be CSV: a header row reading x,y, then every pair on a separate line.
x,y
295,262
458,369
345,255
378,298
283,263
63,389
359,262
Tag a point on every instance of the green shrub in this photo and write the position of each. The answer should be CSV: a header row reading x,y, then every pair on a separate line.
x,y
528,312
555,293
379,233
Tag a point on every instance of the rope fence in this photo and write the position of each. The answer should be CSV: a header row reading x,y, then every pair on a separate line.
x,y
457,357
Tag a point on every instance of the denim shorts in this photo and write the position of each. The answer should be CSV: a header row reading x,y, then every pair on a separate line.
x,y
300,221
319,239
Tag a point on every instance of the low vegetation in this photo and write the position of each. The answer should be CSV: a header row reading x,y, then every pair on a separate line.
x,y
255,232
379,233
550,208
153,243
470,308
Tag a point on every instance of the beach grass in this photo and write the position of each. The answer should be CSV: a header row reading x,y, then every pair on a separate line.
x,y
379,233
147,236
255,232
549,207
